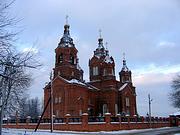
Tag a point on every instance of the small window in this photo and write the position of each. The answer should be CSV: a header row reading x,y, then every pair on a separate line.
x,y
57,113
56,100
61,58
81,78
112,71
72,59
59,73
72,73
105,72
80,112
105,108
123,80
59,99
127,101
95,71
116,109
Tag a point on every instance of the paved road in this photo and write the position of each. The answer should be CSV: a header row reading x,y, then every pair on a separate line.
x,y
158,131
165,131
162,131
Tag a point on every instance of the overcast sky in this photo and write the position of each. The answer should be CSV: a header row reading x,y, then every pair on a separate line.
x,y
146,30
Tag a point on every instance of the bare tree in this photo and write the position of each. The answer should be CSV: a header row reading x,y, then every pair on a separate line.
x,y
14,65
14,78
175,93
23,109
30,107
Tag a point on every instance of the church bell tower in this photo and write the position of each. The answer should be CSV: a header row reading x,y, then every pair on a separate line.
x,y
125,73
67,62
101,65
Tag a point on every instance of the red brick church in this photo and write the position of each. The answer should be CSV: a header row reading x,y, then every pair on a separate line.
x,y
102,94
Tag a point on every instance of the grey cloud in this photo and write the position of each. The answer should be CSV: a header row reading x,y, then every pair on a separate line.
x,y
131,26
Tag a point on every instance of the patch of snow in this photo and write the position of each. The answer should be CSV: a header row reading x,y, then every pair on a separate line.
x,y
85,114
107,113
125,69
7,131
97,56
77,82
122,87
107,59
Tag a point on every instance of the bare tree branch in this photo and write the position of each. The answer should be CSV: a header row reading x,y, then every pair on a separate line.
x,y
174,95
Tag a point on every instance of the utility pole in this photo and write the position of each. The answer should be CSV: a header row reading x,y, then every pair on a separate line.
x,y
150,100
51,105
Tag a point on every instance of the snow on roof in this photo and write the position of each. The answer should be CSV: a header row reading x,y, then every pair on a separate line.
x,y
76,81
122,87
108,59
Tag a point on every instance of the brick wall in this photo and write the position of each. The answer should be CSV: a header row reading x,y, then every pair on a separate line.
x,y
106,125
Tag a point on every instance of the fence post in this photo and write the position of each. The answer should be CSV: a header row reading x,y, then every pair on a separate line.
x,y
128,118
84,121
7,121
135,118
17,121
170,121
108,118
119,117
142,119
28,120
67,116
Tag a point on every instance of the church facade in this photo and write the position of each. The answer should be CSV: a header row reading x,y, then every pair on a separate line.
x,y
102,94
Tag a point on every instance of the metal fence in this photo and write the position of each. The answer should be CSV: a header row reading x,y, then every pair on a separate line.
x,y
90,119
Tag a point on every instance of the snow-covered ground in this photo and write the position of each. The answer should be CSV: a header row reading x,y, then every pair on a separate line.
x,y
45,132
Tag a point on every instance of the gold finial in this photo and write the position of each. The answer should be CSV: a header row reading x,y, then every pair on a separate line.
x,y
67,19
100,33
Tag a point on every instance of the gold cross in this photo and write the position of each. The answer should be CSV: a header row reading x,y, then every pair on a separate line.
x,y
67,19
100,32
124,56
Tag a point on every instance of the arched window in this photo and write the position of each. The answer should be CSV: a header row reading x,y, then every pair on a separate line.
x,y
105,109
71,59
112,71
95,71
61,58
127,102
105,72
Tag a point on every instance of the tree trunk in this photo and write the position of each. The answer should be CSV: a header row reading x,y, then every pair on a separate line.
x,y
1,119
